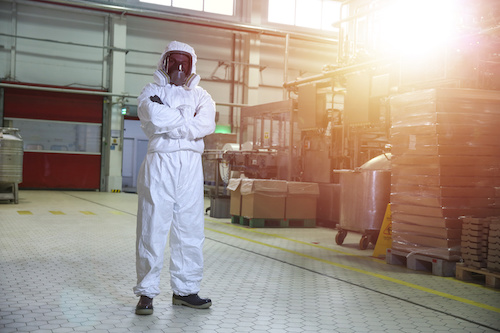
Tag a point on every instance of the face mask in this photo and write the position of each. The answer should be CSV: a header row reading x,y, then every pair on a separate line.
x,y
178,68
177,76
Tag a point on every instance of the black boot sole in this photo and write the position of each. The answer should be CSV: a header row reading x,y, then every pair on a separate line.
x,y
176,301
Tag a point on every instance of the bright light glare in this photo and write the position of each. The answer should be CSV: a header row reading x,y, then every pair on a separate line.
x,y
281,11
224,7
308,13
189,4
331,14
159,2
416,28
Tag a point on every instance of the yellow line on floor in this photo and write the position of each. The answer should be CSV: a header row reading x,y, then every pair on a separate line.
x,y
381,261
24,212
86,212
56,212
362,271
295,240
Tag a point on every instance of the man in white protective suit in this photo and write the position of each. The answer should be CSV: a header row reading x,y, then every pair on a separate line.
x,y
175,114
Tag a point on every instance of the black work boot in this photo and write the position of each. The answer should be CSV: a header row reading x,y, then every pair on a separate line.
x,y
145,306
193,301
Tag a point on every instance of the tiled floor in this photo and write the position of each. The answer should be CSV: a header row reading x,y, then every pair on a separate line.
x,y
67,264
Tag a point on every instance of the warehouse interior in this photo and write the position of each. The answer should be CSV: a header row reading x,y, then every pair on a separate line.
x,y
352,183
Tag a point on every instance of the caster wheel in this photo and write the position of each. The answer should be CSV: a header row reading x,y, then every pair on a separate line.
x,y
339,238
364,242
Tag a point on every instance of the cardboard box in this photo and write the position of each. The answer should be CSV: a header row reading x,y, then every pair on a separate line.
x,y
446,170
443,211
235,202
439,232
301,200
262,198
426,221
429,180
403,138
462,160
431,201
426,241
451,254
445,191
443,150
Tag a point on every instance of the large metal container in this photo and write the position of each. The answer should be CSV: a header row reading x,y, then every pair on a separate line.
x,y
11,156
364,195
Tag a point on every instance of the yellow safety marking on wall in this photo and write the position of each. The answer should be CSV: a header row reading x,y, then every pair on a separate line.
x,y
24,212
86,212
362,271
56,212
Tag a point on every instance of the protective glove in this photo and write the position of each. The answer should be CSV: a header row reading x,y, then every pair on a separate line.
x,y
155,99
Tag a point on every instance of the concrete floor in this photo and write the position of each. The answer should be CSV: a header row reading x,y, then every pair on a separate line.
x,y
67,264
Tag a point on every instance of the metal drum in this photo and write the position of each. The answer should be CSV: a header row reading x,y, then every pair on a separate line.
x,y
11,163
364,196
11,155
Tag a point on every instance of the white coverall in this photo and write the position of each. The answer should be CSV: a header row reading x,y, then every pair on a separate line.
x,y
170,182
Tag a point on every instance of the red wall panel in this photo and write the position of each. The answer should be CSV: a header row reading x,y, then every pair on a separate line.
x,y
61,171
42,170
36,104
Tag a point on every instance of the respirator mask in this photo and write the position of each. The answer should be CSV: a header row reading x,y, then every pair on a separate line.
x,y
178,67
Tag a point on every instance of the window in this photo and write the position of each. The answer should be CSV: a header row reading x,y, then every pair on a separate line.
x,y
315,14
223,7
59,136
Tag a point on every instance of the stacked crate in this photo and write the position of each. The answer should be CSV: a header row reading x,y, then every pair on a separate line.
x,y
475,241
445,164
494,245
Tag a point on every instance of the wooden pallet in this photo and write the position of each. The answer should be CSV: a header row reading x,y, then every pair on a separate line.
x,y
418,262
273,223
472,274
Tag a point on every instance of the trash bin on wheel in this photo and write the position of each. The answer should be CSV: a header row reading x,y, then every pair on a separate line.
x,y
364,195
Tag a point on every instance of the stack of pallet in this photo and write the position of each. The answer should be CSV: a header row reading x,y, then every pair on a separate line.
x,y
445,164
475,241
494,245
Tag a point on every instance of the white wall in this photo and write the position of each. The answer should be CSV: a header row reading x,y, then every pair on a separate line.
x,y
79,55
35,59
59,45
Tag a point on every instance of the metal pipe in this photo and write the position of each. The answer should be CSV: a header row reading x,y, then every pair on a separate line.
x,y
74,91
91,92
335,72
13,50
233,78
285,67
150,14
73,44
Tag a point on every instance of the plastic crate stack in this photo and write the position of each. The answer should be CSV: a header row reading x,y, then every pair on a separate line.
x,y
493,262
445,164
475,241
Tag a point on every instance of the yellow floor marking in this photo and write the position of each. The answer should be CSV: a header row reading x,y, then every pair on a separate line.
x,y
362,271
117,212
86,212
380,261
56,212
297,241
24,212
